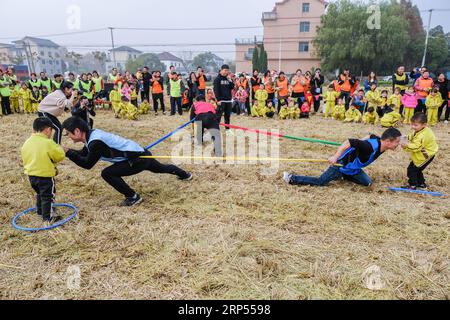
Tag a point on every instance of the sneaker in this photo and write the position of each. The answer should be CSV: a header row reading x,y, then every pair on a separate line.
x,y
423,186
164,113
287,177
446,121
156,113
188,178
130,202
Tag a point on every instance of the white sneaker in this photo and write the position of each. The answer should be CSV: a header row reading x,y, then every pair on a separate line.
x,y
446,121
287,177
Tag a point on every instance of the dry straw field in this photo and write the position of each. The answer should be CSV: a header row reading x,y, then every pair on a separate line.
x,y
232,233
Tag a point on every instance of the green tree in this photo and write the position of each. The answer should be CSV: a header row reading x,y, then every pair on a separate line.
x,y
344,39
263,63
416,45
438,50
207,61
149,60
255,58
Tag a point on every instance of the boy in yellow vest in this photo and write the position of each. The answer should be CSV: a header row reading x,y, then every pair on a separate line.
x,y
115,97
144,107
40,154
396,100
330,100
25,95
371,117
339,110
14,99
353,114
422,146
433,103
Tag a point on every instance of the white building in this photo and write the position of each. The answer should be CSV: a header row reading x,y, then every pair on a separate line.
x,y
41,55
170,60
122,55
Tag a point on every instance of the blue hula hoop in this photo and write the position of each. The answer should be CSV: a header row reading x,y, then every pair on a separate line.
x,y
56,225
167,136
434,194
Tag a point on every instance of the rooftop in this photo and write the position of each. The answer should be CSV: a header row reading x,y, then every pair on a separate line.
x,y
38,41
167,56
125,49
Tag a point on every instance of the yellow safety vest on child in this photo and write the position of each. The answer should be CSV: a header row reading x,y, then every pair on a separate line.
x,y
422,146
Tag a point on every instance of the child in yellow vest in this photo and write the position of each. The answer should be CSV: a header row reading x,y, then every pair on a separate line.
x,y
133,96
422,146
371,117
339,110
373,97
35,99
269,110
144,107
115,97
14,99
330,100
396,100
128,110
294,111
261,96
391,118
353,114
25,96
40,154
255,109
284,111
433,103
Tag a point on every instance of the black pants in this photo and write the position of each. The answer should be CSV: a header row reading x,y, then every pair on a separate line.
x,y
346,95
145,94
415,174
175,105
317,104
270,98
441,111
225,109
45,195
420,107
158,97
56,126
297,96
209,121
247,106
202,92
6,106
113,174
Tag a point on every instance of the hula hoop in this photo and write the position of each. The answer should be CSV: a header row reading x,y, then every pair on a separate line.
x,y
423,192
56,225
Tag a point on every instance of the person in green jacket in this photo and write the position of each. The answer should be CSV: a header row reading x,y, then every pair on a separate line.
x,y
175,91
86,88
46,82
56,84
5,93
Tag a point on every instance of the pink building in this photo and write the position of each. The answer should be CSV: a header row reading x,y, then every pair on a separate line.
x,y
289,30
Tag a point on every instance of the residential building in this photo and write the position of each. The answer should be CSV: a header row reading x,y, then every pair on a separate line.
x,y
244,53
169,59
289,31
41,55
122,55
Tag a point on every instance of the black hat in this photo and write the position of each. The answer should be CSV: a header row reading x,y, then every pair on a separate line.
x,y
225,66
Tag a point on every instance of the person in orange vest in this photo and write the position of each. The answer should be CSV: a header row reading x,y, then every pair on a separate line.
x,y
157,86
423,87
282,87
270,86
346,83
299,85
201,79
255,82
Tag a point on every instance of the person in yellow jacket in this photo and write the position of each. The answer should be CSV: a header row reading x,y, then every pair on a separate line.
x,y
433,103
128,110
25,96
144,107
261,96
284,111
133,96
391,118
353,114
373,97
40,154
36,98
339,110
396,100
115,97
330,100
421,144
14,99
294,111
269,110
371,117
255,110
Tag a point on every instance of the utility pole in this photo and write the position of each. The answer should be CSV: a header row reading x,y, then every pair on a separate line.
x,y
113,46
427,37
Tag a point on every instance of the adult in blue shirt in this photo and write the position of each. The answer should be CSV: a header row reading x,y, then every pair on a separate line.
x,y
353,156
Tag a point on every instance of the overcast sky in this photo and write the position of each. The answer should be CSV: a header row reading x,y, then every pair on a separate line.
x,y
45,17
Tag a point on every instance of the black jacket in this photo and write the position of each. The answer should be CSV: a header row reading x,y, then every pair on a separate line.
x,y
223,88
317,84
444,88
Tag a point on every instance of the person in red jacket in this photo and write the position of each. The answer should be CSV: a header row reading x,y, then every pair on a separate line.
x,y
206,117
423,87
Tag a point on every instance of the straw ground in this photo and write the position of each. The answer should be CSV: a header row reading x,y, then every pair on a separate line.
x,y
232,233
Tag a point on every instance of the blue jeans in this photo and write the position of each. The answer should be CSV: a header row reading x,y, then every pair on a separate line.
x,y
332,174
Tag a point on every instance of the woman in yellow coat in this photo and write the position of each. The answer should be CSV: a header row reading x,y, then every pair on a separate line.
x,y
433,103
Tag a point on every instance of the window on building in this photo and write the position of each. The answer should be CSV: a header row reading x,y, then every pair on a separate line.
x,y
303,47
43,61
305,7
42,53
305,26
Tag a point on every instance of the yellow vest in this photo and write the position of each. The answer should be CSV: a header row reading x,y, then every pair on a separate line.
x,y
422,146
